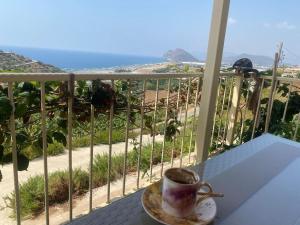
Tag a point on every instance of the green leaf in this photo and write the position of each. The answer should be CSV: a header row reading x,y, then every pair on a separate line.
x,y
24,94
27,86
21,137
62,123
2,138
49,139
37,143
51,97
23,162
20,110
60,137
1,153
5,109
148,121
7,157
264,101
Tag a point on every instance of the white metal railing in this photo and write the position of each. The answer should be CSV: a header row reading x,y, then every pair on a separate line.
x,y
21,77
10,78
225,98
234,106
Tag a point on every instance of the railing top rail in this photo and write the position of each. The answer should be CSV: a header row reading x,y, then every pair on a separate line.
x,y
19,77
282,79
12,77
288,79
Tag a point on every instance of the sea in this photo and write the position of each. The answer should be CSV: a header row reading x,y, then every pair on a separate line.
x,y
80,60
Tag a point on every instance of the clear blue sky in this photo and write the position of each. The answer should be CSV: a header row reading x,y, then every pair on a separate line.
x,y
148,27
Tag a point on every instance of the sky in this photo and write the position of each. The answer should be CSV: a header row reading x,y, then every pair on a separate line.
x,y
144,27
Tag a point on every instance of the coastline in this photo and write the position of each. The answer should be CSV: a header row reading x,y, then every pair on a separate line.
x,y
137,68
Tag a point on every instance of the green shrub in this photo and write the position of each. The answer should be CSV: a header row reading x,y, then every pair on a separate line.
x,y
59,184
80,181
100,169
58,187
82,141
55,149
31,197
117,165
33,152
32,191
101,137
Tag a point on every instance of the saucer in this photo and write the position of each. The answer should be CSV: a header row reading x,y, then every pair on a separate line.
x,y
204,213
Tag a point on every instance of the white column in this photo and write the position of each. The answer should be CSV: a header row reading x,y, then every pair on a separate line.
x,y
210,81
233,112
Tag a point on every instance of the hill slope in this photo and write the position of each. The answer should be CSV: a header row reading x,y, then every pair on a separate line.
x,y
179,55
14,62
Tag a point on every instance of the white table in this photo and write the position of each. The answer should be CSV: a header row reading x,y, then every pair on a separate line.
x,y
252,177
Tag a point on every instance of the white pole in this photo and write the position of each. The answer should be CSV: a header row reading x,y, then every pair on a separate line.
x,y
211,75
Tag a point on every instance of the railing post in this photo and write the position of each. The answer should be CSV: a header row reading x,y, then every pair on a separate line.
x,y
91,159
227,114
273,87
12,123
271,95
233,112
211,76
297,127
257,111
287,103
70,147
45,150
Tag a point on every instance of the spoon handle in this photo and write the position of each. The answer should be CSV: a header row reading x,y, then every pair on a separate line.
x,y
211,194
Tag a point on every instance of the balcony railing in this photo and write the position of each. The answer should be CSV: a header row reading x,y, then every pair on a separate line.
x,y
244,110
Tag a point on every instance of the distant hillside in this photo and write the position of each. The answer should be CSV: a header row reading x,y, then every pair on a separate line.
x,y
259,60
179,55
11,61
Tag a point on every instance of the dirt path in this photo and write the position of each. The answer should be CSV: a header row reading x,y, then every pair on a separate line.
x,y
80,158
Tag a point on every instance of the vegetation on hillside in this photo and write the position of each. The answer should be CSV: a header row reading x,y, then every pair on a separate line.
x,y
97,93
32,191
12,62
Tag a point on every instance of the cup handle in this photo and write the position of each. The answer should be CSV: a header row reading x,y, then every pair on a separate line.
x,y
204,195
